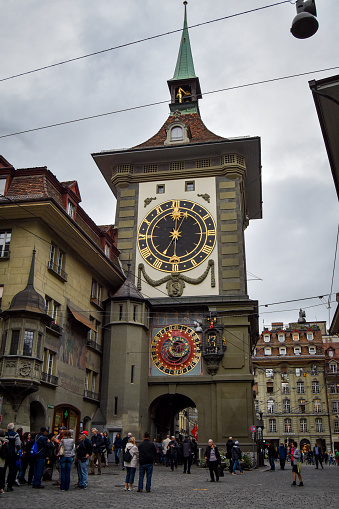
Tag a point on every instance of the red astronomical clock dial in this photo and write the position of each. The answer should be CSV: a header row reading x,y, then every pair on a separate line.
x,y
175,349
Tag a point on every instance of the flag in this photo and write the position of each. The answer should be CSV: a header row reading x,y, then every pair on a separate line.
x,y
195,432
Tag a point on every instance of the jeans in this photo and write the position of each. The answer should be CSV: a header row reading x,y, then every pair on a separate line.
x,y
236,464
39,466
66,464
82,472
130,475
148,469
11,464
272,462
117,454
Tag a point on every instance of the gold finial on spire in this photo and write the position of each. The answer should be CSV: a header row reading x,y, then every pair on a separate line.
x,y
185,3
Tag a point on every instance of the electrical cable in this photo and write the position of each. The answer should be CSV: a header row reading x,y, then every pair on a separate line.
x,y
140,41
132,108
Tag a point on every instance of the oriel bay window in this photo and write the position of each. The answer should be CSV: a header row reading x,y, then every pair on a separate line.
x,y
28,342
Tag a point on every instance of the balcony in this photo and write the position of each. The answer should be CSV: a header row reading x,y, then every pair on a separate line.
x,y
49,379
94,346
55,329
91,395
55,269
19,377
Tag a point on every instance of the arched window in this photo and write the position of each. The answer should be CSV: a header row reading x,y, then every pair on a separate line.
x,y
270,406
176,133
272,425
317,405
302,406
319,425
286,406
303,425
288,425
315,387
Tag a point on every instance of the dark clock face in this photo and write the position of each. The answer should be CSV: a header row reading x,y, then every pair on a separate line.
x,y
176,236
175,349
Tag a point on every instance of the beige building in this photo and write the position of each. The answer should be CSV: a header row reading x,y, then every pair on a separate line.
x,y
290,384
331,351
56,270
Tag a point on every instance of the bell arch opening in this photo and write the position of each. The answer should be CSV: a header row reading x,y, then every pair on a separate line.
x,y
173,414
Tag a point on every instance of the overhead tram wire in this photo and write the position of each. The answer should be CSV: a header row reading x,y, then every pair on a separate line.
x,y
132,108
145,39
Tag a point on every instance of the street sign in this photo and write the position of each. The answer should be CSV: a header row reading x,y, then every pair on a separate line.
x,y
253,429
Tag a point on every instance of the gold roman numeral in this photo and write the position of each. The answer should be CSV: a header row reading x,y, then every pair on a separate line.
x,y
210,232
194,263
145,252
157,264
159,210
207,249
175,267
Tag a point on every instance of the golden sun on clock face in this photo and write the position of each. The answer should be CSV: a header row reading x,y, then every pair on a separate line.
x,y
176,236
175,349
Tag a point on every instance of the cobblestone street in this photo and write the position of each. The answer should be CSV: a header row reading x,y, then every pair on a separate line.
x,y
257,488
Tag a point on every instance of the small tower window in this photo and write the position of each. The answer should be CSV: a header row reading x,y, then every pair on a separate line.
x,y
176,133
190,186
160,188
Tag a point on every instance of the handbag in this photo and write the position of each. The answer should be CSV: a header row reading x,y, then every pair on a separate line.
x,y
61,449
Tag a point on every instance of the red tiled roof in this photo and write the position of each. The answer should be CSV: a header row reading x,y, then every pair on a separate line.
x,y
198,130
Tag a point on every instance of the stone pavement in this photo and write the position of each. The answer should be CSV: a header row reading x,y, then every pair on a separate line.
x,y
260,489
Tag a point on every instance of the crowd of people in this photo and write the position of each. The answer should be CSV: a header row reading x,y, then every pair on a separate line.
x,y
28,458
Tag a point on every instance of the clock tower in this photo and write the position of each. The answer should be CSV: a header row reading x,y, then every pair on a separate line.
x,y
184,198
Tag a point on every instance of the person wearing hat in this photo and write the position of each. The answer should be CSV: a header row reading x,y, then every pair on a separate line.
x,y
43,444
84,449
236,457
187,450
173,453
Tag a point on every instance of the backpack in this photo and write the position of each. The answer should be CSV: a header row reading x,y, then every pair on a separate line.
x,y
127,456
4,450
35,450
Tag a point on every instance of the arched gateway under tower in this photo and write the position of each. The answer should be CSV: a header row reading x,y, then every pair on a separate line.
x,y
181,329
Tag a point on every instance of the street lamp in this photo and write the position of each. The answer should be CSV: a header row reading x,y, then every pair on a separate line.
x,y
305,24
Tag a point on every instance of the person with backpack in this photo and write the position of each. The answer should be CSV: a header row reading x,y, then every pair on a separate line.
x,y
14,445
3,457
236,457
130,455
41,450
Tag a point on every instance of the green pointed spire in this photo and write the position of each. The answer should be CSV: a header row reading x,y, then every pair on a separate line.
x,y
185,67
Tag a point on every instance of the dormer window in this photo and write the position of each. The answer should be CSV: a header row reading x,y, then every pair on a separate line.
x,y
297,350
310,336
295,336
330,353
176,133
70,209
281,337
268,351
267,338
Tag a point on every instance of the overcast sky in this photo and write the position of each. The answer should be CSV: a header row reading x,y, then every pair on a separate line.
x,y
292,248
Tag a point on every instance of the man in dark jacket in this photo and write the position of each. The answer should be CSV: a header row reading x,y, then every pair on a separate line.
x,y
84,450
147,452
229,447
98,444
213,459
282,453
187,450
43,444
14,445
